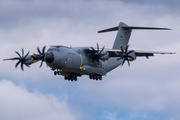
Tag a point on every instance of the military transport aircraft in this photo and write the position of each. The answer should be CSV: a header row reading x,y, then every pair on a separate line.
x,y
73,62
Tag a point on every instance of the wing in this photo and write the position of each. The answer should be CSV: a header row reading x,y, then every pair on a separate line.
x,y
139,53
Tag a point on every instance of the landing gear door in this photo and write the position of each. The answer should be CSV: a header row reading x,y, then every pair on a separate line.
x,y
103,65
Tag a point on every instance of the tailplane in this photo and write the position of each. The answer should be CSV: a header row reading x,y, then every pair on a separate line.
x,y
124,33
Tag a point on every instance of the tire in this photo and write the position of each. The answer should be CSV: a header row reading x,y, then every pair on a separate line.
x,y
94,77
97,77
58,72
100,77
69,77
72,78
65,77
90,76
75,78
55,73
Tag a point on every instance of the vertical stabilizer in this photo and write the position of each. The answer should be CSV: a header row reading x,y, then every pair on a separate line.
x,y
122,36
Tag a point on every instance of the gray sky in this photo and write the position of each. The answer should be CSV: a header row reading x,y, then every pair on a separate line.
x,y
147,90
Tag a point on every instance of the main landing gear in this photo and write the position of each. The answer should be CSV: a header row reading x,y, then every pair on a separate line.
x,y
95,76
70,77
66,77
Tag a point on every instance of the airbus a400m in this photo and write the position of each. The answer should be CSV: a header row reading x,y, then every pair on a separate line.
x,y
73,62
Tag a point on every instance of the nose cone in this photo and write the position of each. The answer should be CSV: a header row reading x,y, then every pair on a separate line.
x,y
49,57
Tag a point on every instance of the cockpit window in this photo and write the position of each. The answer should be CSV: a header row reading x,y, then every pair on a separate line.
x,y
51,50
56,50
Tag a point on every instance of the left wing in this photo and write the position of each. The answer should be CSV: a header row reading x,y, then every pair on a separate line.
x,y
138,53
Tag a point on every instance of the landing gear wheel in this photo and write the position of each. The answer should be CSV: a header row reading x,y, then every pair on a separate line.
x,y
90,76
75,78
94,77
55,72
69,77
72,78
97,77
65,77
58,72
100,77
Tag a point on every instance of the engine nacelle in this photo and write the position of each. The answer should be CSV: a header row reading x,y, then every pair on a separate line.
x,y
133,55
30,59
105,56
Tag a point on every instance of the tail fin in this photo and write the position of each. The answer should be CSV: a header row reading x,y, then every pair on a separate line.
x,y
124,33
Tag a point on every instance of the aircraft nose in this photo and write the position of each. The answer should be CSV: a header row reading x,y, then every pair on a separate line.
x,y
49,57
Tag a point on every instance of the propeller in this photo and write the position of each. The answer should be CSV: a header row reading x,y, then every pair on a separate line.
x,y
20,58
97,54
124,55
41,55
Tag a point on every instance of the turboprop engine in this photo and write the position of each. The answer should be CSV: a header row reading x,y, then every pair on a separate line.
x,y
126,55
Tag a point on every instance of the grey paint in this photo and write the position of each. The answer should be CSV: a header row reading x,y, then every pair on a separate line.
x,y
122,36
77,61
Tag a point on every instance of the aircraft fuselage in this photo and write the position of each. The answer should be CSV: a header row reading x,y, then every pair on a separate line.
x,y
75,60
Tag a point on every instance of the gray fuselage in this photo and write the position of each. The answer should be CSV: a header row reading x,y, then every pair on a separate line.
x,y
75,61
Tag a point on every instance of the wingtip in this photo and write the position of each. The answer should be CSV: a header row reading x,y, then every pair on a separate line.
x,y
168,29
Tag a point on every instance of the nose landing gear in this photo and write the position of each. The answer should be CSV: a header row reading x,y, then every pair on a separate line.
x,y
57,73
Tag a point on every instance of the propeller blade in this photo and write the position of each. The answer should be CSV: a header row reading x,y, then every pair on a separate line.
x,y
128,63
22,66
121,48
116,53
92,48
97,46
21,59
126,48
123,62
17,53
17,64
41,64
39,50
27,65
27,54
41,54
130,52
22,52
96,54
119,58
11,59
102,49
131,57
43,49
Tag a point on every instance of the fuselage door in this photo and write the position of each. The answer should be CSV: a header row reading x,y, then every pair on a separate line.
x,y
69,62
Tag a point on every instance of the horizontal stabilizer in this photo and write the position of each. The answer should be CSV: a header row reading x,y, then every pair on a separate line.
x,y
132,27
109,30
149,28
